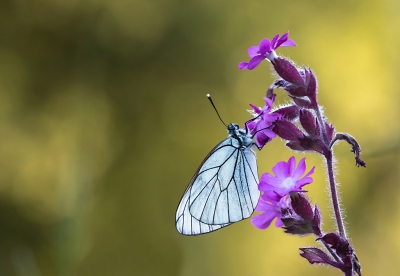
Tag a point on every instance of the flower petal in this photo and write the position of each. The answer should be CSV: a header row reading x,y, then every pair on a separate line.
x,y
270,196
278,222
252,51
243,65
281,170
268,178
269,133
254,62
310,172
255,108
291,166
262,139
288,42
265,46
273,41
301,168
304,181
269,102
262,221
281,40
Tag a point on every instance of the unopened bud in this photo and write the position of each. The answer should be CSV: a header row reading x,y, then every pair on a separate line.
x,y
289,113
309,122
287,71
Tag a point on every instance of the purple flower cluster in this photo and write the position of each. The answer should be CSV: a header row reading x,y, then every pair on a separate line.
x,y
265,50
261,126
276,191
305,129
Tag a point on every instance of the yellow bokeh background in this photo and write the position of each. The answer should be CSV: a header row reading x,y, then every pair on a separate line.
x,y
104,120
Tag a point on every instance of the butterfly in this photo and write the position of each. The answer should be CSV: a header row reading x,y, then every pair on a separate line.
x,y
224,189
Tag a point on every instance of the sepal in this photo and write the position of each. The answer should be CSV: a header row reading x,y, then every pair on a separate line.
x,y
309,122
289,113
287,71
287,130
343,249
317,256
299,218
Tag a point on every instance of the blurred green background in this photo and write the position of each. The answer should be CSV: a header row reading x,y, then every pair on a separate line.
x,y
104,120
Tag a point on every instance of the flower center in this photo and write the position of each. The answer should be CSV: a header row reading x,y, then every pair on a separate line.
x,y
288,183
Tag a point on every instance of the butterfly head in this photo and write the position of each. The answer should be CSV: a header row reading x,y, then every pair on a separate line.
x,y
233,130
241,135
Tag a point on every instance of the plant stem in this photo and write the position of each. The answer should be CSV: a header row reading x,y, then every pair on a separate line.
x,y
331,175
334,194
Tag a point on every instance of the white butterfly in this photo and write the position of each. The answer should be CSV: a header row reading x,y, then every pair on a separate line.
x,y
224,189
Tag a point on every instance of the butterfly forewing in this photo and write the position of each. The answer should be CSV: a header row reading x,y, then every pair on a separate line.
x,y
187,224
223,190
227,192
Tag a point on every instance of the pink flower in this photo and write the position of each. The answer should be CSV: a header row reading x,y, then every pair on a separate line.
x,y
276,200
270,209
265,50
288,179
261,127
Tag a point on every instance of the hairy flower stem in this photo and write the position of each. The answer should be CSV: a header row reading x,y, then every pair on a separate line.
x,y
331,174
334,194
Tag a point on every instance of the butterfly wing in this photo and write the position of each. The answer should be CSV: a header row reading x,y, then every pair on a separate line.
x,y
222,191
187,224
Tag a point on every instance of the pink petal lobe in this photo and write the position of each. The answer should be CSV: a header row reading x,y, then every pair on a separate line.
x,y
269,133
284,37
304,181
288,42
281,170
252,51
266,178
310,172
291,165
255,108
301,168
254,62
262,221
265,46
274,40
271,196
278,222
243,65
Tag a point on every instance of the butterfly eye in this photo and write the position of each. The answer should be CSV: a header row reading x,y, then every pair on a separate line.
x,y
232,127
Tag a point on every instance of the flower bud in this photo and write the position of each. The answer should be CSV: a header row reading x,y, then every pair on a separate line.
x,y
330,130
309,122
311,83
289,113
295,91
340,244
287,71
287,130
302,206
302,102
294,224
315,144
316,221
295,145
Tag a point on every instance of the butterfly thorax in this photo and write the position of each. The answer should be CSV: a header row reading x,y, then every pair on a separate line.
x,y
244,139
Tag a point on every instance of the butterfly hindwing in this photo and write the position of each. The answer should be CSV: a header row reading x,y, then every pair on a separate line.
x,y
227,191
223,190
187,224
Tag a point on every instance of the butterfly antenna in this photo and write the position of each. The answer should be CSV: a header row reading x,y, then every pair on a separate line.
x,y
211,101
